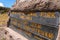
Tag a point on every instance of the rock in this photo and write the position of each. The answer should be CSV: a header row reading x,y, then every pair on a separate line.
x,y
34,5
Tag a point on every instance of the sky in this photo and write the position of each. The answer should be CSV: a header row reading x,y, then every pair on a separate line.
x,y
7,3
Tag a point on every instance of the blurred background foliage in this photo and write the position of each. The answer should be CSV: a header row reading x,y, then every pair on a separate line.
x,y
4,10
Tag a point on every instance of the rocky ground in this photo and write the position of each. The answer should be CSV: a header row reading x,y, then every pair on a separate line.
x,y
34,5
2,35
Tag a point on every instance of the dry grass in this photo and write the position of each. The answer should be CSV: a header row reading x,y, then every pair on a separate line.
x,y
3,19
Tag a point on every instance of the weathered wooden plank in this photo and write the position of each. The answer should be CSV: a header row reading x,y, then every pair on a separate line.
x,y
39,30
45,18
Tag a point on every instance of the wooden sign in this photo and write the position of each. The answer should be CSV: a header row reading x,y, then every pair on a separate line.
x,y
45,18
42,24
40,30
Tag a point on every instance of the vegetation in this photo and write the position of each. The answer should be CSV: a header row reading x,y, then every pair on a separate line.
x,y
3,39
3,19
4,9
